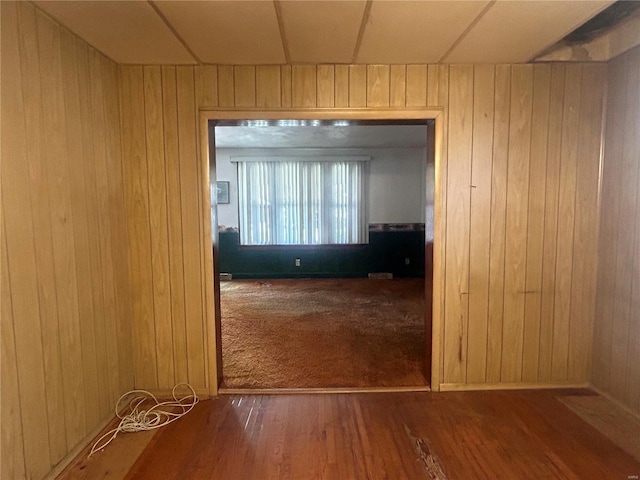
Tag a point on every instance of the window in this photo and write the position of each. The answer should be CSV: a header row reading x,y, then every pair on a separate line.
x,y
302,202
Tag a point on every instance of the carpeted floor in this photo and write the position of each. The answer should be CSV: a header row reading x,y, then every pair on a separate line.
x,y
322,333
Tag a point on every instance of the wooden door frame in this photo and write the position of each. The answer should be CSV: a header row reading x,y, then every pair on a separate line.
x,y
209,259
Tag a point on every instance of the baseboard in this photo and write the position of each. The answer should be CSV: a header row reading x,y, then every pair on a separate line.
x,y
614,400
460,387
74,452
166,394
318,391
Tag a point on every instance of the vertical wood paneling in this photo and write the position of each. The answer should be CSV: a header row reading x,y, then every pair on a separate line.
x,y
586,216
106,330
342,85
94,313
174,212
70,326
357,86
397,85
154,121
206,85
498,209
120,256
627,192
12,455
617,320
285,80
516,221
244,83
137,200
226,94
566,219
190,223
378,86
535,228
458,211
500,231
433,86
52,149
22,270
416,85
554,143
60,303
303,80
480,231
326,85
268,90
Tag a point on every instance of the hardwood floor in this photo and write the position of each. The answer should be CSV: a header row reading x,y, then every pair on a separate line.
x,y
470,435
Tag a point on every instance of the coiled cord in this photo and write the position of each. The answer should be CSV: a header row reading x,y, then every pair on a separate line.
x,y
156,416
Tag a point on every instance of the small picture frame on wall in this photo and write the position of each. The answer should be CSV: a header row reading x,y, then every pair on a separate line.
x,y
222,189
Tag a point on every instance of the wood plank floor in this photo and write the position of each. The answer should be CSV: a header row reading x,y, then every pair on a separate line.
x,y
471,435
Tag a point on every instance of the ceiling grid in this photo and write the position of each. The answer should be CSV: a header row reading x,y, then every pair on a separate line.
x,y
258,32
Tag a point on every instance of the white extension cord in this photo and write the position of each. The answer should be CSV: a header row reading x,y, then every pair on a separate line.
x,y
156,416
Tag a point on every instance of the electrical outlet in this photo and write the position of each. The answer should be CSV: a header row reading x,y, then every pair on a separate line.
x,y
297,262
407,261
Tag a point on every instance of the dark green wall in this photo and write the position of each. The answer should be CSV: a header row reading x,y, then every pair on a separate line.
x,y
385,252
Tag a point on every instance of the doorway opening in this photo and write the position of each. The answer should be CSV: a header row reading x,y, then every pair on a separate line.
x,y
300,307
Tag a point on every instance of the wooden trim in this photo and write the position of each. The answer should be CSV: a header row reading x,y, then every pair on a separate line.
x,y
318,391
73,453
210,260
614,400
463,387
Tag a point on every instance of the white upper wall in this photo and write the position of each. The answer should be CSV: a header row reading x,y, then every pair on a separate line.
x,y
396,183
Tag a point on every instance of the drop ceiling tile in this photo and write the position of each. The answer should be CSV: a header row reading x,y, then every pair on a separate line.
x,y
414,31
515,31
227,32
128,32
321,31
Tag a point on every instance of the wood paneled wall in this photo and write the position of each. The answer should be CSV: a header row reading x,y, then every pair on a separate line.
x,y
616,352
521,159
66,343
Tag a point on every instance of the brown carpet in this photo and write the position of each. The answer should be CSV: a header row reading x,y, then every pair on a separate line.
x,y
323,333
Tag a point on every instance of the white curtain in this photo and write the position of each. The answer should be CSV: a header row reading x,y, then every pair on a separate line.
x,y
302,202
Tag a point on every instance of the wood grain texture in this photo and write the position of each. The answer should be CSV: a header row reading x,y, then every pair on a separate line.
x,y
566,219
158,224
617,320
535,222
497,219
325,79
189,175
383,436
226,92
244,83
206,85
398,85
554,142
174,219
303,79
342,85
60,194
137,201
416,85
516,222
378,85
480,228
583,285
357,86
268,88
458,219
